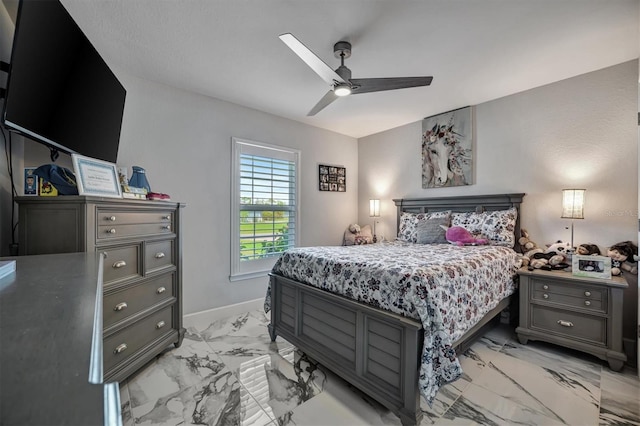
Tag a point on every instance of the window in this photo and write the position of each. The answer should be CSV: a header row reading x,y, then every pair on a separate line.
x,y
264,208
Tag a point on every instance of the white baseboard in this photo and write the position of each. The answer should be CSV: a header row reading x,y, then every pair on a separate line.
x,y
201,320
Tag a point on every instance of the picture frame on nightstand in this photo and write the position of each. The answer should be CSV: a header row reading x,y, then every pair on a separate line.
x,y
591,266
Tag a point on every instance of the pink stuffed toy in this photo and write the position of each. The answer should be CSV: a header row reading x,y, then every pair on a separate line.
x,y
460,236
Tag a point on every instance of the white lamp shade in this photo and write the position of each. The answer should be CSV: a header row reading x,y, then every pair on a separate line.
x,y
374,208
573,203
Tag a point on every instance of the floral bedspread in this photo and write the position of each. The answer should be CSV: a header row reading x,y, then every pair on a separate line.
x,y
447,287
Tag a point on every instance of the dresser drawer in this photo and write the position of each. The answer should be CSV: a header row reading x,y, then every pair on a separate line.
x,y
118,217
158,255
121,345
574,325
110,232
122,263
126,302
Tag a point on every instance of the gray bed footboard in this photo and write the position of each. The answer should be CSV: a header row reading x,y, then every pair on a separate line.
x,y
376,351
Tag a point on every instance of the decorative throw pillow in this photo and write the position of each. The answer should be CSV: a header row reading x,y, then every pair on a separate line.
x,y
497,226
430,231
408,230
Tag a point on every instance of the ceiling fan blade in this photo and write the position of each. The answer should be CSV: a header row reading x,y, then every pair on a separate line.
x,y
310,58
367,85
326,100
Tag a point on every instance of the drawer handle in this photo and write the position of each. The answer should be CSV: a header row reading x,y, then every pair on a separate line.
x,y
167,227
160,325
112,218
565,323
111,231
167,217
121,306
545,296
545,287
587,303
119,264
161,290
121,348
587,293
159,255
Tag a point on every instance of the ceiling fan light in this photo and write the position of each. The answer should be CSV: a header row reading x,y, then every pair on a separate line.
x,y
342,90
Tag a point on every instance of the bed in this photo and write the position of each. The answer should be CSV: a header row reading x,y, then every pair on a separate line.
x,y
396,342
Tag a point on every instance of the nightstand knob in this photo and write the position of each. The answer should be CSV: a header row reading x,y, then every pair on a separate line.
x,y
587,303
167,217
545,296
111,231
112,218
587,293
120,306
121,348
565,323
545,287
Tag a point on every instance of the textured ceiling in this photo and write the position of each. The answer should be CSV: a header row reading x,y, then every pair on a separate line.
x,y
475,50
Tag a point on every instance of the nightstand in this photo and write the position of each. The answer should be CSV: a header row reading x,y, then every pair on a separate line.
x,y
576,312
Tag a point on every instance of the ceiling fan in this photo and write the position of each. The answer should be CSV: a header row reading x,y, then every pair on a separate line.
x,y
340,80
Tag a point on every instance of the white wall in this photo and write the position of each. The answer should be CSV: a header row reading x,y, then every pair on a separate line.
x,y
576,133
183,141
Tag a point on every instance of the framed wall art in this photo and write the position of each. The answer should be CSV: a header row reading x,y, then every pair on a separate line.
x,y
447,149
332,178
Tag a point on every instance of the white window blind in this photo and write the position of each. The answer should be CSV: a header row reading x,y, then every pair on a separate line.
x,y
265,207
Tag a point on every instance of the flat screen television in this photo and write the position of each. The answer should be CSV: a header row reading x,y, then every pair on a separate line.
x,y
60,92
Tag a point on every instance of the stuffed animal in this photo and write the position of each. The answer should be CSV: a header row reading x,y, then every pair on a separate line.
x,y
525,242
588,249
553,257
529,248
460,236
621,255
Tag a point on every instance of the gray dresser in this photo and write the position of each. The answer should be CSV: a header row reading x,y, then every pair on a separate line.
x,y
575,312
142,270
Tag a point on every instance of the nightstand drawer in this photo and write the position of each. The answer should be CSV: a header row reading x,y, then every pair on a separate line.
x,y
573,290
121,263
118,347
132,299
567,300
573,325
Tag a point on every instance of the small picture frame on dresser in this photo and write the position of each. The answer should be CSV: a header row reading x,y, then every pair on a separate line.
x,y
591,266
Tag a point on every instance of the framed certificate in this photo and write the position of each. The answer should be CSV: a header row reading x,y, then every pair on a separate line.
x,y
96,177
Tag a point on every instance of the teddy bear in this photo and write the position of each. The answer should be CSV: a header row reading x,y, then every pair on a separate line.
x,y
529,249
621,255
553,257
525,242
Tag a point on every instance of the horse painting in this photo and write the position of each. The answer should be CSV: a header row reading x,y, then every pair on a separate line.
x,y
446,157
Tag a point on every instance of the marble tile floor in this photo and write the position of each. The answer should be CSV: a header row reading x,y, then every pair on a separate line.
x,y
230,373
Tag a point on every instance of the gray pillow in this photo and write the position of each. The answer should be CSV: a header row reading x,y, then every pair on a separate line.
x,y
430,231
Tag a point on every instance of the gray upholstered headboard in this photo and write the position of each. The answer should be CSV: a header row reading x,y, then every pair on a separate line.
x,y
467,203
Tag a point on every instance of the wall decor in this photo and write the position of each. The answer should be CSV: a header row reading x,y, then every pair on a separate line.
x,y
591,266
447,150
332,178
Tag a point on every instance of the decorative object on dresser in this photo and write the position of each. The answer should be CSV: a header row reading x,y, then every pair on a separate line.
x,y
447,150
143,267
96,177
576,312
572,207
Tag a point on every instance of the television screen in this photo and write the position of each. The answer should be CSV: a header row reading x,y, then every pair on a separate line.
x,y
60,92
